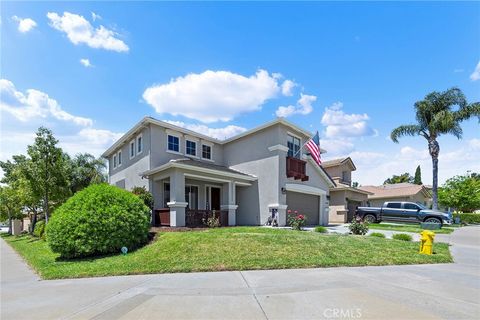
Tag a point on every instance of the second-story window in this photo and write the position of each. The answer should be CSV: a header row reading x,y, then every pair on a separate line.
x,y
191,148
139,144
114,160
173,143
293,144
132,149
119,158
206,152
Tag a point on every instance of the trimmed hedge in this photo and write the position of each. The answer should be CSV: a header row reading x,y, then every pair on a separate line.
x,y
98,220
321,229
377,234
39,229
469,218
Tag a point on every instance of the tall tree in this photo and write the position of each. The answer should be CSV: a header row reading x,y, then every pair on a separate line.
x,y
403,178
461,192
10,207
418,176
47,175
439,113
84,170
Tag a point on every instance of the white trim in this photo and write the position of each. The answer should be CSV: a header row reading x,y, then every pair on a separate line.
x,y
179,144
173,133
196,148
192,138
296,136
119,158
301,188
114,161
177,204
174,152
141,144
130,149
228,207
242,184
277,206
279,147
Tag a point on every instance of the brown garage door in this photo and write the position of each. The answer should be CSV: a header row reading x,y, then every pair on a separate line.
x,y
305,204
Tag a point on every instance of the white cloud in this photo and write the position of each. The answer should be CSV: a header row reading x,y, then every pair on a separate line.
x,y
340,124
287,87
476,73
217,133
34,104
212,95
79,30
95,16
336,147
24,25
86,63
374,167
303,107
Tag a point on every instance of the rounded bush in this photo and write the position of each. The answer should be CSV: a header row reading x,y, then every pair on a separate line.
x,y
39,229
402,236
377,234
100,219
321,229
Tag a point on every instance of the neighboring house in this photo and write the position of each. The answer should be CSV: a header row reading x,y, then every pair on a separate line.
x,y
247,177
343,197
398,192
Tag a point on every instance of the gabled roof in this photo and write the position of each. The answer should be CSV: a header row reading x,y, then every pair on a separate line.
x,y
340,161
395,190
149,120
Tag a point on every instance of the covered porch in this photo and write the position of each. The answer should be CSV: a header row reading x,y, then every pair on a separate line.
x,y
187,192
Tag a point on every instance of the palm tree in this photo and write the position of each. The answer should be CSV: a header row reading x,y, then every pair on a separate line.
x,y
439,113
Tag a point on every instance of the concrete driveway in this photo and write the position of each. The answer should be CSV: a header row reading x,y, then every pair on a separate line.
x,y
442,291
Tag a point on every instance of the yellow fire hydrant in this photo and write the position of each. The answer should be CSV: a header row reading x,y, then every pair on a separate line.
x,y
426,241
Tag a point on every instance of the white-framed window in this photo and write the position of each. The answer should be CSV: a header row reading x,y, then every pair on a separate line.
x,y
293,144
139,144
119,156
114,160
173,143
132,149
206,151
190,148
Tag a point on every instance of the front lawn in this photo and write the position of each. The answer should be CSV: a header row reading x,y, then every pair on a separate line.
x,y
407,228
239,248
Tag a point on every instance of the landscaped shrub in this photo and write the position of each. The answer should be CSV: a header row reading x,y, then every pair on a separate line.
x,y
145,195
402,236
100,219
470,218
295,220
321,229
377,234
39,229
212,222
358,227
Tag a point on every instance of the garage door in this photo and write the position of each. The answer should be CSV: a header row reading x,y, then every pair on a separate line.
x,y
305,204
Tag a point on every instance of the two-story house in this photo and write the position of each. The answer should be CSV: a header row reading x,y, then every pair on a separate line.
x,y
344,198
246,178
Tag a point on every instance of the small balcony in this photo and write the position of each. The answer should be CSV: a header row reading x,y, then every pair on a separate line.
x,y
296,169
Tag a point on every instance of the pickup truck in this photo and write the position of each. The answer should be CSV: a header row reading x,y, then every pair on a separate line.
x,y
402,212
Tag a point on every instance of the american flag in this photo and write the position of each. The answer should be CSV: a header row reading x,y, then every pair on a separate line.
x,y
313,146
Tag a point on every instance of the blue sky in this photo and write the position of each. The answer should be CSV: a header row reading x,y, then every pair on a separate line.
x,y
220,68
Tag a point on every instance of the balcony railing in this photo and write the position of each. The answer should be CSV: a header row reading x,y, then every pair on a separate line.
x,y
296,169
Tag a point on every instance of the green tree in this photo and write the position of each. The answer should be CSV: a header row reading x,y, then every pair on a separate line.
x,y
145,195
403,178
439,113
418,176
85,170
48,172
461,192
10,206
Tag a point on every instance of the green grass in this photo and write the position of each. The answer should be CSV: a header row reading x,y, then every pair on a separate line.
x,y
407,228
239,248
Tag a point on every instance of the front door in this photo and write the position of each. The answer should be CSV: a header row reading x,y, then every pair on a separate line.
x,y
214,198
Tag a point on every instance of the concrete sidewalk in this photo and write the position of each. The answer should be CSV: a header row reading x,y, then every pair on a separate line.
x,y
450,291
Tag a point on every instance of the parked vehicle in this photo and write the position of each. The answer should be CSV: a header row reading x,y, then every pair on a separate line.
x,y
403,212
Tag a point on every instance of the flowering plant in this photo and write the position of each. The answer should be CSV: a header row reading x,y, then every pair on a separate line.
x,y
295,220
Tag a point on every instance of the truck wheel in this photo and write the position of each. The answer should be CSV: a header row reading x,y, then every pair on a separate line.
x,y
370,218
433,220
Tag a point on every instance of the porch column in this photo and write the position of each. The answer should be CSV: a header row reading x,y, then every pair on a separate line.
x,y
228,200
177,202
324,210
